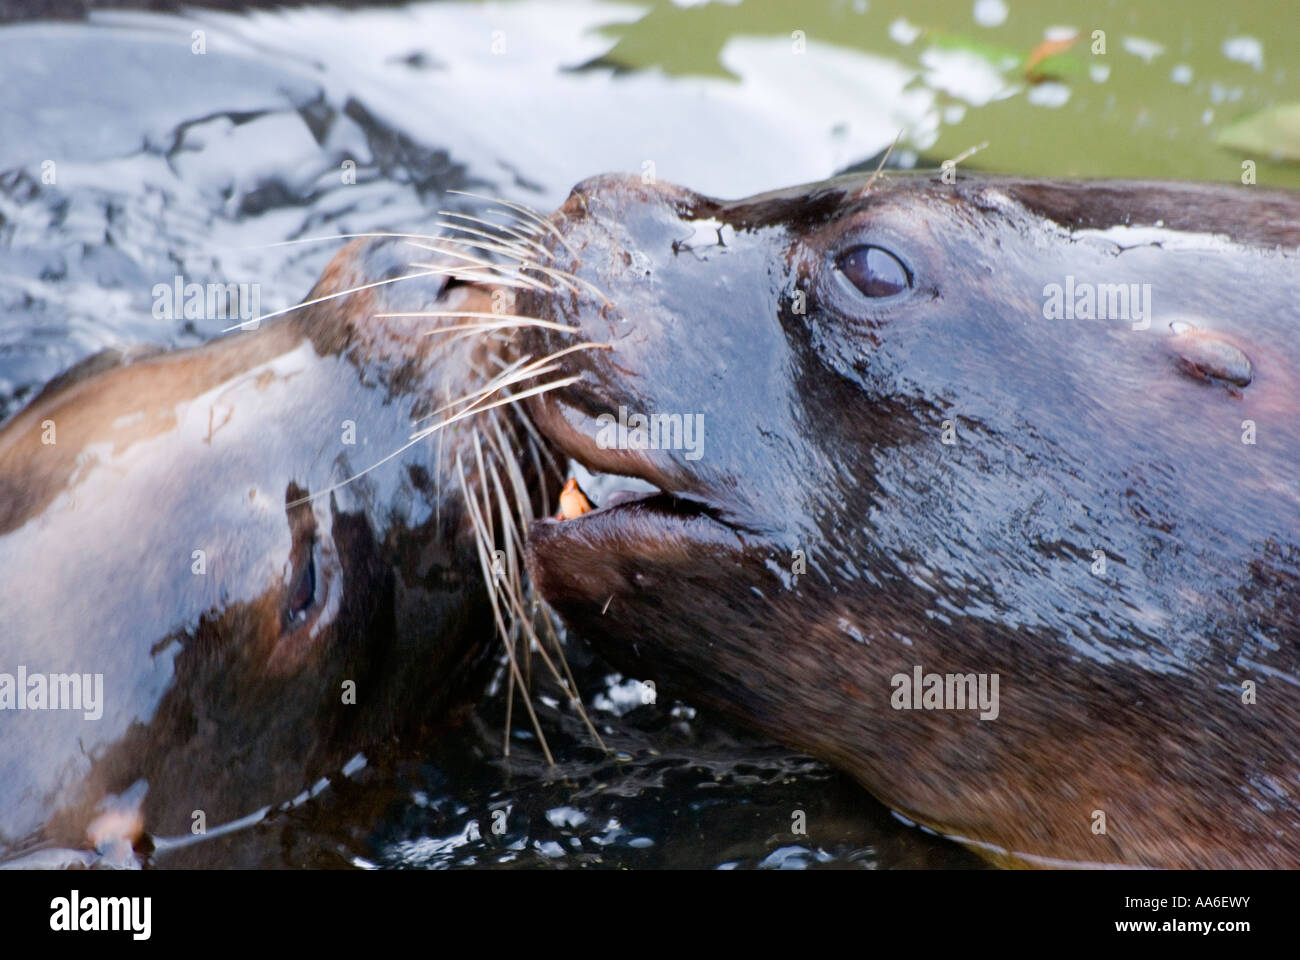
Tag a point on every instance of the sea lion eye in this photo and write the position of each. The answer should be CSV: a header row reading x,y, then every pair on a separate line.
x,y
302,593
875,271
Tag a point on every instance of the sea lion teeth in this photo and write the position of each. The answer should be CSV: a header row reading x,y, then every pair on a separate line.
x,y
573,502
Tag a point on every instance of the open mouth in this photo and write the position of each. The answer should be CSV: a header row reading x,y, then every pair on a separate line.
x,y
592,498
625,528
615,485
627,539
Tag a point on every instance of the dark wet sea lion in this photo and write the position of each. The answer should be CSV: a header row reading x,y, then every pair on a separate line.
x,y
224,673
1102,513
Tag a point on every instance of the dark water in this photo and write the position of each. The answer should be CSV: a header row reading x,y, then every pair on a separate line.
x,y
127,159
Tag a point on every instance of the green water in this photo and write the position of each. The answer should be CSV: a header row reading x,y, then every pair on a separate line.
x,y
1147,113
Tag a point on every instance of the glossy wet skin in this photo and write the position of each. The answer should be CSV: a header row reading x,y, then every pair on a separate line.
x,y
823,433
224,692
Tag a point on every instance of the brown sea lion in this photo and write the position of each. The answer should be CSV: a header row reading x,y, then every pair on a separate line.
x,y
206,579
987,492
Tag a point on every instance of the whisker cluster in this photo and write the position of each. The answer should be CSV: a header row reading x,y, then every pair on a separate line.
x,y
512,255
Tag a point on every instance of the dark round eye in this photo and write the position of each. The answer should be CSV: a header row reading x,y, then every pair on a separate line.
x,y
875,271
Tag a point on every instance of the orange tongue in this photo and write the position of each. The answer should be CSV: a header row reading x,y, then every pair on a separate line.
x,y
573,502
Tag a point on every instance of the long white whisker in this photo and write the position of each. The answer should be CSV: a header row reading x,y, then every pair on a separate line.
x,y
524,263
525,227
499,320
566,277
483,274
327,297
479,526
526,211
516,255
514,375
504,401
520,238
484,264
502,242
480,327
516,593
487,392
428,431
498,336
517,228
478,394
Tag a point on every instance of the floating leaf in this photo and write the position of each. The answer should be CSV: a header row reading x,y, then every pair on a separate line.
x,y
1043,52
1001,58
1274,132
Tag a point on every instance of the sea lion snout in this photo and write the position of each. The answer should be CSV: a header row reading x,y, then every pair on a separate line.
x,y
625,191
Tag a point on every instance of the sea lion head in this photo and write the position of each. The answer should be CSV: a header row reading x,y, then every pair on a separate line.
x,y
886,451
256,552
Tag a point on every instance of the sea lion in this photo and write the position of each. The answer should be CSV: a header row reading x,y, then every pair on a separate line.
x,y
1019,553
206,577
